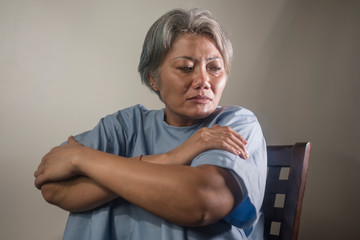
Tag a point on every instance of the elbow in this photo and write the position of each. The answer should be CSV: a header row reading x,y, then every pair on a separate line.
x,y
205,213
195,218
53,194
203,218
49,193
215,199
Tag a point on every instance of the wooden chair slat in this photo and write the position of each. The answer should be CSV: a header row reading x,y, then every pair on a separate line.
x,y
296,157
276,186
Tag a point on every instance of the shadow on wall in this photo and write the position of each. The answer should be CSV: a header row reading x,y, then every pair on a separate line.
x,y
331,204
309,91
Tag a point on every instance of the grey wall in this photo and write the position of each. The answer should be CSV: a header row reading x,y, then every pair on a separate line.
x,y
66,64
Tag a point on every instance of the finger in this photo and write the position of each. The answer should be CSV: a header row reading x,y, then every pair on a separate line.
x,y
35,184
236,141
242,140
37,172
225,138
38,182
71,139
240,146
232,147
237,147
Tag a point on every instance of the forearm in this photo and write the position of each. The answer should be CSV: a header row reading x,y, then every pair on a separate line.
x,y
180,194
77,194
148,185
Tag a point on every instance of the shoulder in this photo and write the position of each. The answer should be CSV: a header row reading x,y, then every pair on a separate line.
x,y
128,115
129,111
241,120
131,119
228,115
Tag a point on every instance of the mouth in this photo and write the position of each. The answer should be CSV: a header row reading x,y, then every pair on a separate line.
x,y
200,99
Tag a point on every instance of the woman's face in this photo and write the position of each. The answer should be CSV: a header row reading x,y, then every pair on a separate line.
x,y
192,79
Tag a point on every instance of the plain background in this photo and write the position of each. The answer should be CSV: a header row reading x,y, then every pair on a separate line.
x,y
65,64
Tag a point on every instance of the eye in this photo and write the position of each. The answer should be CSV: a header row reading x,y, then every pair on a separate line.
x,y
186,69
214,68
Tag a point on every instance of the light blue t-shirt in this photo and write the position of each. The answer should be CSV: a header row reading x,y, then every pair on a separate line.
x,y
137,131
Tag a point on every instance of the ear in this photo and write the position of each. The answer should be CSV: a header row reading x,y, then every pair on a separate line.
x,y
153,82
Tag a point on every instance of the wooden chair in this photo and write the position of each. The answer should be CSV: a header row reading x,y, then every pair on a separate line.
x,y
284,192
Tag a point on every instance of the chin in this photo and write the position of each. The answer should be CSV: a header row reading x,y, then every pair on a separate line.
x,y
203,113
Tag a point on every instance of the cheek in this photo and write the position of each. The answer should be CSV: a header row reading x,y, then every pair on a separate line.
x,y
219,86
168,91
174,89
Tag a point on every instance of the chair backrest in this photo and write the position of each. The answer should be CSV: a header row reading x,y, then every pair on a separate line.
x,y
284,192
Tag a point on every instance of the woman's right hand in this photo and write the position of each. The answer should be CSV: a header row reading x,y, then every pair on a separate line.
x,y
216,137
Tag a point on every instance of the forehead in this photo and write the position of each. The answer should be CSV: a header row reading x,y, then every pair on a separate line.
x,y
194,46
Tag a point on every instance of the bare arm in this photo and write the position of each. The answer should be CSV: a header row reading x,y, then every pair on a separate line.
x,y
83,193
181,194
77,194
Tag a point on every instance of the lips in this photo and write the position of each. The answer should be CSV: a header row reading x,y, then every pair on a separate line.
x,y
200,98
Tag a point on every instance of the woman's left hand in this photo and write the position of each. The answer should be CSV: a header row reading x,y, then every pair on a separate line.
x,y
57,164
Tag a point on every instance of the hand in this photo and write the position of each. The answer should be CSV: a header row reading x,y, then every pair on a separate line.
x,y
216,137
57,164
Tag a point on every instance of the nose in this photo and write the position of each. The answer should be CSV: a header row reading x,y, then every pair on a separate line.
x,y
201,79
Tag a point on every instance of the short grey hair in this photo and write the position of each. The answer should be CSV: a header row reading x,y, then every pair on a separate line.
x,y
173,25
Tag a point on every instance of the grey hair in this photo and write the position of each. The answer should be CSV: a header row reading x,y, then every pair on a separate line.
x,y
173,25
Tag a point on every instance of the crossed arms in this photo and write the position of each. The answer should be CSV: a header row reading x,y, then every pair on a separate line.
x,y
77,178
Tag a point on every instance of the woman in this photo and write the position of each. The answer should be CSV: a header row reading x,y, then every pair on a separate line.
x,y
182,172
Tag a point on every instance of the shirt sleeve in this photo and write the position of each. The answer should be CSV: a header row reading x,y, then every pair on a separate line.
x,y
108,135
250,173
96,138
117,133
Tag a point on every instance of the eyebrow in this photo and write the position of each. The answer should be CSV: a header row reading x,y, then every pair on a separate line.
x,y
194,59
